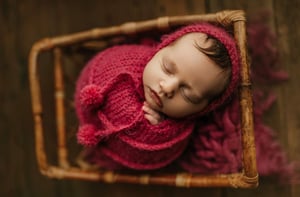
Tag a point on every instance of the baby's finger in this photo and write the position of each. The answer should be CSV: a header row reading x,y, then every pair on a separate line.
x,y
151,112
151,119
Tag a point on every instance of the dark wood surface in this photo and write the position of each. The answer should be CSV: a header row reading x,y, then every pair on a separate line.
x,y
26,21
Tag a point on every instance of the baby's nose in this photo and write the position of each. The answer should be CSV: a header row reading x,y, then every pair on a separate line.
x,y
169,87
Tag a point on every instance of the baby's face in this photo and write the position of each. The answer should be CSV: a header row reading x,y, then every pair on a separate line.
x,y
178,77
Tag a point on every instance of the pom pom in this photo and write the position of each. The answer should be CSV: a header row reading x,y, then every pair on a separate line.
x,y
91,95
86,135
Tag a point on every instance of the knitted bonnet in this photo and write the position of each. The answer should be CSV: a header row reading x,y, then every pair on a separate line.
x,y
109,98
227,40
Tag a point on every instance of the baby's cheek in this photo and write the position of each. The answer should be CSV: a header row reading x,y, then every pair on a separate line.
x,y
176,110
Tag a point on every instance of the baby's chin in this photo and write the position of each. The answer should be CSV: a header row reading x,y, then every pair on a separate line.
x,y
172,114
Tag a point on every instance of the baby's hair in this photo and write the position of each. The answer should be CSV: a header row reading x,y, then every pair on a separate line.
x,y
217,52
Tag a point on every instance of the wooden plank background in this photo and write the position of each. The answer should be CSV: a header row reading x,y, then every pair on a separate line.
x,y
25,21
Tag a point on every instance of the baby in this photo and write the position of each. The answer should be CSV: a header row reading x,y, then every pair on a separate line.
x,y
137,104
185,76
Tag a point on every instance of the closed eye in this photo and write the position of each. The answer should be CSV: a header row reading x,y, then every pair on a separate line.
x,y
190,99
165,69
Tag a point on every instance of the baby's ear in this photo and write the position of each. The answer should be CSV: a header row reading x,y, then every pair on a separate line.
x,y
91,95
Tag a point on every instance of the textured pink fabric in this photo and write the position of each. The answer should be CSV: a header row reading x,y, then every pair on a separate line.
x,y
216,145
109,98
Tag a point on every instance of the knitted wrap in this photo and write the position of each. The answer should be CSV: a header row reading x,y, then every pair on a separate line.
x,y
109,98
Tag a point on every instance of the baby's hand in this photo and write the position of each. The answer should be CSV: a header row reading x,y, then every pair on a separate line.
x,y
151,115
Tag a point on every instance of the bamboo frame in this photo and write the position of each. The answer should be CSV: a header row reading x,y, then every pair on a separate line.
x,y
248,178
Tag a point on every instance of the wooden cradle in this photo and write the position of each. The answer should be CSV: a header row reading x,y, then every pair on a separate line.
x,y
234,19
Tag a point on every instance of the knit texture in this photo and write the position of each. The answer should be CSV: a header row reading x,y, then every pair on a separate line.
x,y
109,98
